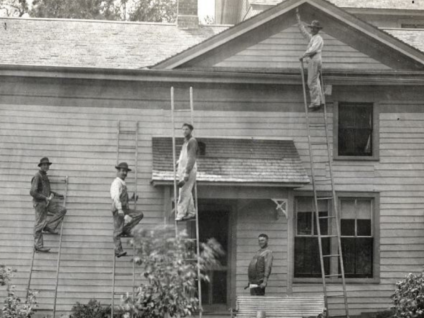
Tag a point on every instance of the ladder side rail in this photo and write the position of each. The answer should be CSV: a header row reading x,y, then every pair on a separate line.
x,y
335,204
60,250
30,271
174,160
314,186
199,283
135,204
117,141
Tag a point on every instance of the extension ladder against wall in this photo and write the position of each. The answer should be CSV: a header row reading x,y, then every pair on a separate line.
x,y
334,216
42,256
174,211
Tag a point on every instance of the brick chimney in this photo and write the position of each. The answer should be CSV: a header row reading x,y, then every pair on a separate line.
x,y
187,16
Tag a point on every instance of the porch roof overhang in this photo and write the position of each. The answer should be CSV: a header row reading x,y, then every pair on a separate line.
x,y
235,162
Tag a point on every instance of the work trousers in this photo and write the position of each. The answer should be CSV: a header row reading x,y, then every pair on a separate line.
x,y
314,83
120,228
185,198
46,217
257,291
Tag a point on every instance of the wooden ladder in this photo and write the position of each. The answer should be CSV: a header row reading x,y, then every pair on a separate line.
x,y
174,211
335,215
126,146
60,180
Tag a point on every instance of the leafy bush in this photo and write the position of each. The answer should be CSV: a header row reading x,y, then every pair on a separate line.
x,y
14,307
170,269
91,310
408,298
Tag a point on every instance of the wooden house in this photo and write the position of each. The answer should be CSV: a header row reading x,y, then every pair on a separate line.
x,y
66,85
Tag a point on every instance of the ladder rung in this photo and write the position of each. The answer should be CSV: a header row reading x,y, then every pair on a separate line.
x,y
182,110
123,274
325,198
327,217
317,125
43,309
326,236
336,296
318,143
44,289
331,255
44,270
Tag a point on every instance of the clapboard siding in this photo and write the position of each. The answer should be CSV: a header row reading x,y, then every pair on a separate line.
x,y
79,136
283,49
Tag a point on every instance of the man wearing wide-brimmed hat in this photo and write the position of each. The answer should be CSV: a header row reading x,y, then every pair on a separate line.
x,y
44,206
313,52
124,219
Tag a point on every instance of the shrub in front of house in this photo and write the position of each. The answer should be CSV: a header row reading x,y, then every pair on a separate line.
x,y
170,272
408,298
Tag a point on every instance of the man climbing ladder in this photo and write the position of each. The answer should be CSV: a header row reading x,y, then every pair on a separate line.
x,y
315,46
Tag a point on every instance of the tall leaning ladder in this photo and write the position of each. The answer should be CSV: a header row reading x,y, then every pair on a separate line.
x,y
124,148
174,158
333,198
58,253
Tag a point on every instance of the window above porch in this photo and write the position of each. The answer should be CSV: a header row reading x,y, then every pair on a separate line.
x,y
238,161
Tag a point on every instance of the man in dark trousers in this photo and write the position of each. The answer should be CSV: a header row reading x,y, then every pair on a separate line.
x,y
260,267
44,206
124,219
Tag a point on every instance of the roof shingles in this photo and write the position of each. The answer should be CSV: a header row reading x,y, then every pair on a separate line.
x,y
236,161
99,44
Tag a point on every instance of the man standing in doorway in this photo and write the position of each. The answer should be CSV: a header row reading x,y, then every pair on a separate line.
x,y
124,219
260,267
44,206
187,173
315,46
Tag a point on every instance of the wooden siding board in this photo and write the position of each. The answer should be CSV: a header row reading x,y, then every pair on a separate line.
x,y
282,50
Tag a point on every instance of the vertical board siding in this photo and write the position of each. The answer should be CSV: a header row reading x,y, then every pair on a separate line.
x,y
283,49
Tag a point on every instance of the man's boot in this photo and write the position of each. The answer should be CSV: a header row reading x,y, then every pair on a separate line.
x,y
41,249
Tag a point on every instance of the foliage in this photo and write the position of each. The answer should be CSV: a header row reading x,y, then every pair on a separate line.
x,y
408,298
13,8
132,10
14,307
6,274
170,270
92,310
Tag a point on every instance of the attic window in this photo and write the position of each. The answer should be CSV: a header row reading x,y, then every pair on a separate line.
x,y
202,148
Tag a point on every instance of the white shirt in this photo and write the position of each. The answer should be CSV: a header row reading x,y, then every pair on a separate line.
x,y
119,194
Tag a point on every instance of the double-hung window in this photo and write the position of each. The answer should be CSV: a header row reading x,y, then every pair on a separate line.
x,y
356,131
359,237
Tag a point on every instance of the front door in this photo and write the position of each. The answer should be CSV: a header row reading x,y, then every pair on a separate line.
x,y
214,222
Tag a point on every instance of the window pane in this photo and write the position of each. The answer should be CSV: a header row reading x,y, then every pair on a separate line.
x,y
357,257
323,224
363,208
307,260
304,223
347,208
355,129
364,227
347,227
304,204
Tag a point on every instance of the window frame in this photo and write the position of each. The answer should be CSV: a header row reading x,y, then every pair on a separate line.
x,y
375,133
375,196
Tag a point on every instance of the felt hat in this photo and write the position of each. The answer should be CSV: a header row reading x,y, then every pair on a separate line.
x,y
123,165
44,160
315,24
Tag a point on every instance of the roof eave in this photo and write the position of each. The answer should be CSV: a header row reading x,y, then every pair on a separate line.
x,y
158,183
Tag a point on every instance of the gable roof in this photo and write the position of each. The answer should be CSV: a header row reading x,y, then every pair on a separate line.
x,y
91,43
362,4
236,161
402,50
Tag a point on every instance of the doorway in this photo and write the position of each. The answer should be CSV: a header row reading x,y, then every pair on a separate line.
x,y
214,222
